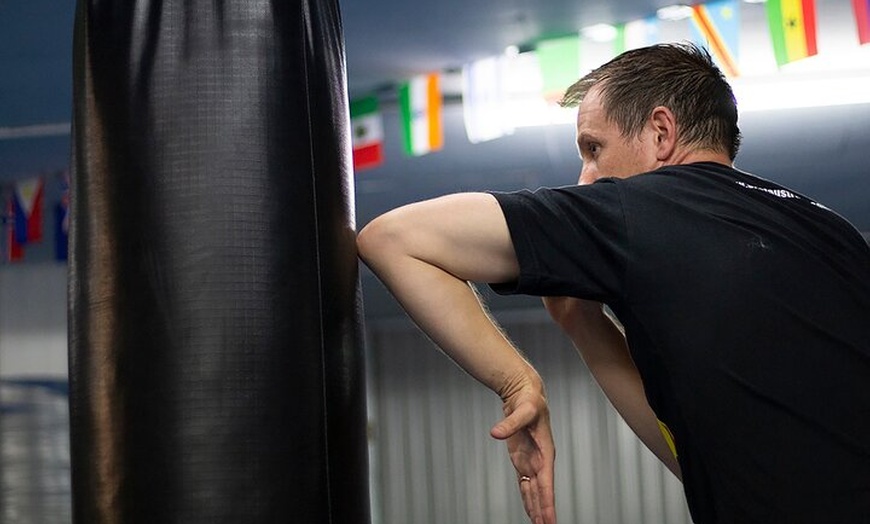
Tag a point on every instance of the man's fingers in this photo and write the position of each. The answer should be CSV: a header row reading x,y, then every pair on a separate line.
x,y
520,418
546,497
531,499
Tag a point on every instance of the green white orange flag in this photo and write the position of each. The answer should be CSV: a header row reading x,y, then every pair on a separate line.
x,y
367,130
559,60
792,29
420,108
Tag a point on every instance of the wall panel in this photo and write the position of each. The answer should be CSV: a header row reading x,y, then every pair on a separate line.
x,y
438,464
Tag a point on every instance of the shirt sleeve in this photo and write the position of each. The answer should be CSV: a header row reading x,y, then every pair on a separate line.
x,y
569,241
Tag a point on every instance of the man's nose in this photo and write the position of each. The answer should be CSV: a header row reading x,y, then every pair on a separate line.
x,y
586,176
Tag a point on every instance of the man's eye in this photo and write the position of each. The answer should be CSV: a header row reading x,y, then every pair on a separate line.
x,y
593,149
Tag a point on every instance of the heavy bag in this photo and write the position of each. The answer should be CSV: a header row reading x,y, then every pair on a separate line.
x,y
215,329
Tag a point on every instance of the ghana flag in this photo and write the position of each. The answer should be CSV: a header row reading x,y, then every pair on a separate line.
x,y
792,29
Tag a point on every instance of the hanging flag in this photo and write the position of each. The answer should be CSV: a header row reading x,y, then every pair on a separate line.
x,y
14,251
792,29
28,197
61,219
717,27
636,34
862,16
559,61
420,107
484,99
367,128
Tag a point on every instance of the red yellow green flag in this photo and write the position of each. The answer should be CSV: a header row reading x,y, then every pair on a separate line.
x,y
792,29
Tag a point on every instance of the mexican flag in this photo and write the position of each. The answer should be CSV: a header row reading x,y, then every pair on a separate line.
x,y
420,108
792,29
367,128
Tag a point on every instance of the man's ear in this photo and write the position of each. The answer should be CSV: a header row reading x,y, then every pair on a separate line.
x,y
664,127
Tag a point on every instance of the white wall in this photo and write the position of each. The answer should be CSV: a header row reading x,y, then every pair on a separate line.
x,y
33,324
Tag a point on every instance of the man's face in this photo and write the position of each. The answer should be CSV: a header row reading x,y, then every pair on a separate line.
x,y
604,150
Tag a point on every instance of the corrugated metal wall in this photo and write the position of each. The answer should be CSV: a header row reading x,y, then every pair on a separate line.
x,y
433,461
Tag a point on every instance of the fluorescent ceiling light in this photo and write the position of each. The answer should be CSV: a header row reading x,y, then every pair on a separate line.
x,y
674,12
600,32
779,92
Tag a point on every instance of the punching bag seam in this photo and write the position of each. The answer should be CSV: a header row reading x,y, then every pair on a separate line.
x,y
306,31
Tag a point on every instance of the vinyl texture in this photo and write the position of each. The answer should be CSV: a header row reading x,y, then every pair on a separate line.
x,y
216,365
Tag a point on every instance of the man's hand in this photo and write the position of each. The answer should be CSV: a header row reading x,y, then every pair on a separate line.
x,y
526,430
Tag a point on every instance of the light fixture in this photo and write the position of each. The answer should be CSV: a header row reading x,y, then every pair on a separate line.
x,y
674,12
600,32
780,91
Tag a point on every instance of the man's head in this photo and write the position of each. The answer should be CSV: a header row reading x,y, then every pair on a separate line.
x,y
661,85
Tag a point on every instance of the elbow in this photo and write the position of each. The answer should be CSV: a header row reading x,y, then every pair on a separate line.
x,y
377,239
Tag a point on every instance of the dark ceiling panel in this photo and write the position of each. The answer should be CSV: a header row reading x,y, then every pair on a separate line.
x,y
390,40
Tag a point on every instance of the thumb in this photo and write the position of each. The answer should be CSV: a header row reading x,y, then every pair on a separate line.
x,y
508,426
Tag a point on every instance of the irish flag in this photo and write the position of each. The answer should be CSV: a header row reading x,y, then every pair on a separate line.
x,y
862,16
420,106
367,128
792,29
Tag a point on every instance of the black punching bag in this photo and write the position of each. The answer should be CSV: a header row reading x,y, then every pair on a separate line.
x,y
215,338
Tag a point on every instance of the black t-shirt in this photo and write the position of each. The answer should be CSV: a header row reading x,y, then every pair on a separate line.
x,y
747,312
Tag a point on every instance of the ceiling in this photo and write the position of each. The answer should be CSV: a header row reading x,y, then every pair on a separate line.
x,y
390,40
386,41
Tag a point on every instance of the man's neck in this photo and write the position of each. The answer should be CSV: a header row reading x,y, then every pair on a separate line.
x,y
690,156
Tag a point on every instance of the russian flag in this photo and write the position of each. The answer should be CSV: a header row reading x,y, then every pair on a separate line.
x,y
28,203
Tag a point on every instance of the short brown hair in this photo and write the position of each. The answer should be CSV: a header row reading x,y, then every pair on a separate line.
x,y
681,77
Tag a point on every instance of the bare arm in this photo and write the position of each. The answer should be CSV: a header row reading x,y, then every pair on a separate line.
x,y
604,349
425,254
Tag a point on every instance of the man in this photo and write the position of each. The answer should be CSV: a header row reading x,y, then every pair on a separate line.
x,y
746,306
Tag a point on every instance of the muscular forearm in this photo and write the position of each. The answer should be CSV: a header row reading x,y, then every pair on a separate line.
x,y
447,309
603,347
424,255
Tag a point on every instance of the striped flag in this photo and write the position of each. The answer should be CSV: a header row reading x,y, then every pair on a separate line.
x,y
792,29
420,107
484,99
14,250
367,128
559,60
639,33
862,16
717,27
62,219
28,197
